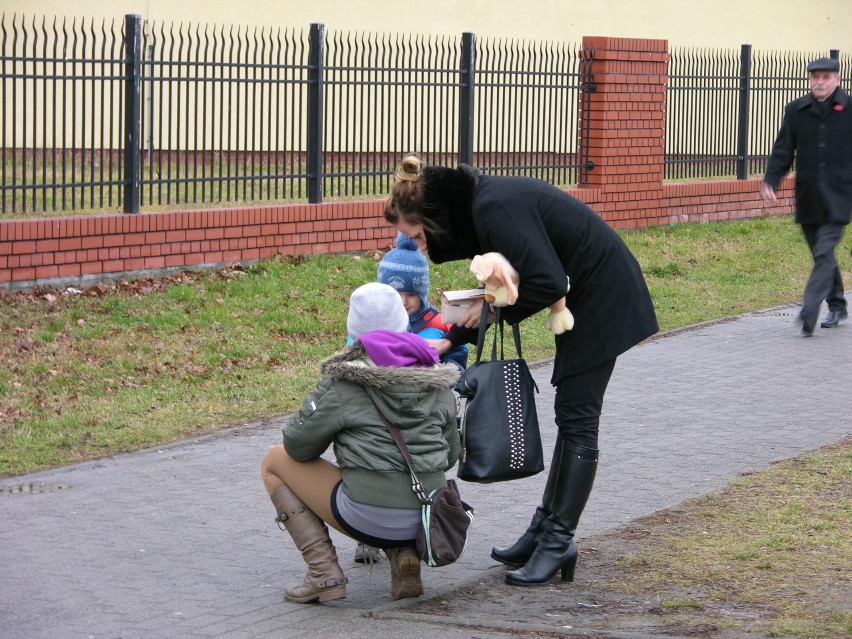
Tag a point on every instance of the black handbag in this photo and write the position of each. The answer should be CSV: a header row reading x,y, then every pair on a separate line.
x,y
445,518
499,425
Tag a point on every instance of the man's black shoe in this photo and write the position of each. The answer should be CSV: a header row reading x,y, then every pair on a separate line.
x,y
833,318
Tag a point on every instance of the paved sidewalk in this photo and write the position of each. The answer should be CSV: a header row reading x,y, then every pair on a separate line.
x,y
180,541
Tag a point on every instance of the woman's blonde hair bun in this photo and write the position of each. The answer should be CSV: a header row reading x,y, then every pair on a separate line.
x,y
409,169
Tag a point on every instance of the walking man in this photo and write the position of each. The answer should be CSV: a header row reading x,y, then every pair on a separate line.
x,y
817,132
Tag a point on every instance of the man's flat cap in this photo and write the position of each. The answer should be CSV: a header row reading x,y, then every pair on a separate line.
x,y
824,64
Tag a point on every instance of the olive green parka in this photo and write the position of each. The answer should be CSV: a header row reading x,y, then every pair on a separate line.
x,y
340,412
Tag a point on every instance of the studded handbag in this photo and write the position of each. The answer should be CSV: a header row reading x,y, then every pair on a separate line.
x,y
499,425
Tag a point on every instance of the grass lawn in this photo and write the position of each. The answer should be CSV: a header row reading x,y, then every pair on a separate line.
x,y
134,364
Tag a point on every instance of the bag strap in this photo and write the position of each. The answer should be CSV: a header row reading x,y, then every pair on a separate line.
x,y
499,324
416,486
483,327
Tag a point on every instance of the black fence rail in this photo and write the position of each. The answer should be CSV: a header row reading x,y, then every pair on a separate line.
x,y
703,100
387,96
146,115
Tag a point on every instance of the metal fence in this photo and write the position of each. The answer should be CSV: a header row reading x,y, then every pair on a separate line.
x,y
60,127
526,114
145,115
384,96
776,78
222,115
724,108
155,115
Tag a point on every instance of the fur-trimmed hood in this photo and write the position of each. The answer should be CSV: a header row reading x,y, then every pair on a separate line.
x,y
447,200
353,365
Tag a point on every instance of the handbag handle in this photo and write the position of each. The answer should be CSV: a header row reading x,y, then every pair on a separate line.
x,y
498,325
416,486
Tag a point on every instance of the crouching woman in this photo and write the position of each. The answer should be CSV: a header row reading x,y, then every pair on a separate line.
x,y
367,495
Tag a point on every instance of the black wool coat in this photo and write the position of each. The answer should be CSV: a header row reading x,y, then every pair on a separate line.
x,y
819,138
546,234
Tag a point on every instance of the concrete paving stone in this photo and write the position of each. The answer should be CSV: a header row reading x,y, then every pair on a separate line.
x,y
179,540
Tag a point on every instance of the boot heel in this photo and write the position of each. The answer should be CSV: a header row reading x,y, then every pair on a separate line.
x,y
334,592
568,568
554,554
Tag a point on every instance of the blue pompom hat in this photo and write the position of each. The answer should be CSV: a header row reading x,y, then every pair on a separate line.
x,y
405,269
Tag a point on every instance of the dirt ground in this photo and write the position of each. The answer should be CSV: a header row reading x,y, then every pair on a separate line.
x,y
590,605
594,605
722,566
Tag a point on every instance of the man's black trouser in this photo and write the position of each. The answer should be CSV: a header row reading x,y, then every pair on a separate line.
x,y
825,282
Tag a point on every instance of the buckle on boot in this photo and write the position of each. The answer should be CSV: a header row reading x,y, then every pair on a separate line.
x,y
282,517
331,582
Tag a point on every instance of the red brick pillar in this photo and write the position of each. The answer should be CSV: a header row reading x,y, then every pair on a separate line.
x,y
626,121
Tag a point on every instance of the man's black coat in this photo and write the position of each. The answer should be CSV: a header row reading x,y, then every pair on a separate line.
x,y
819,137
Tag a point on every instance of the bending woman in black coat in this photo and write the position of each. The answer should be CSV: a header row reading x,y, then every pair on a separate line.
x,y
455,214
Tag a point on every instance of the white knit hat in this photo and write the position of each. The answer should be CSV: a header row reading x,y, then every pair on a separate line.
x,y
373,307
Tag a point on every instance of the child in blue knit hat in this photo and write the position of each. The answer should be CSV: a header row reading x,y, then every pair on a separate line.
x,y
405,269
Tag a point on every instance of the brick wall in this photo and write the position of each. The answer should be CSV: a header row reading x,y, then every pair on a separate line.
x,y
626,123
86,249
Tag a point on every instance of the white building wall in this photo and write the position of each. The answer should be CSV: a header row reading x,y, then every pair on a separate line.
x,y
765,24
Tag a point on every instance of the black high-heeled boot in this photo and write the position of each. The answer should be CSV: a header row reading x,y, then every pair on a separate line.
x,y
556,549
519,553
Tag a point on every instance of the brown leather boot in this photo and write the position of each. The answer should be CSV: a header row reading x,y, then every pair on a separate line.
x,y
405,572
325,580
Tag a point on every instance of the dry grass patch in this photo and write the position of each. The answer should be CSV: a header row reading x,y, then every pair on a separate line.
x,y
779,540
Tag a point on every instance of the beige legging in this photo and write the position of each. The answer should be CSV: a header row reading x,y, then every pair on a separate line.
x,y
312,482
